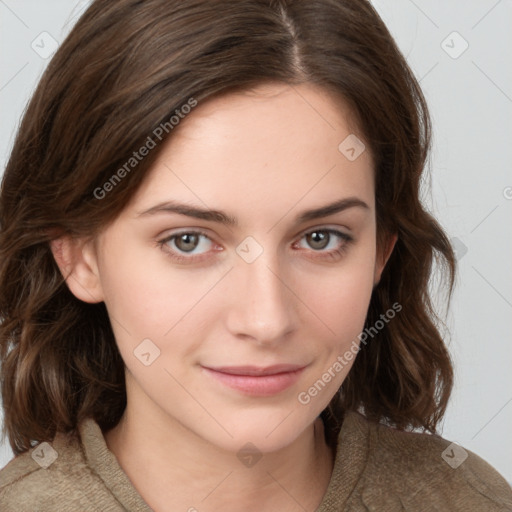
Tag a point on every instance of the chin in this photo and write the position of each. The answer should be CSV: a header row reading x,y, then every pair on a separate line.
x,y
268,432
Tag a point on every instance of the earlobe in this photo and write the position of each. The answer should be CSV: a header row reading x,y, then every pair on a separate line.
x,y
383,257
77,261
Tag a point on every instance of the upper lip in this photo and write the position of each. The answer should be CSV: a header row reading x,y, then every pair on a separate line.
x,y
256,370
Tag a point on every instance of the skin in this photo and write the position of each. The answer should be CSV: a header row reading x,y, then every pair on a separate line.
x,y
263,156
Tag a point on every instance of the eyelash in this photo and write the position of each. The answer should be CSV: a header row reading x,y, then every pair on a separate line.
x,y
325,255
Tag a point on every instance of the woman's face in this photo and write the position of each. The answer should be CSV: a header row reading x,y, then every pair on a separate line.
x,y
242,270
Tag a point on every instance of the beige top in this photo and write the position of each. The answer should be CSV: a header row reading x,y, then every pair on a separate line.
x,y
376,468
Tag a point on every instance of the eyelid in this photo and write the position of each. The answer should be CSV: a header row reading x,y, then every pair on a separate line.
x,y
189,231
330,230
342,231
178,231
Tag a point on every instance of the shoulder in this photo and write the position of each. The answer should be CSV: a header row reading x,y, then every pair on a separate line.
x,y
415,469
51,476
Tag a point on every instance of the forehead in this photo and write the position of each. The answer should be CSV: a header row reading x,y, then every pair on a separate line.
x,y
251,118
262,150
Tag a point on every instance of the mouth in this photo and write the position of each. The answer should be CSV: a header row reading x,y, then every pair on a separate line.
x,y
257,381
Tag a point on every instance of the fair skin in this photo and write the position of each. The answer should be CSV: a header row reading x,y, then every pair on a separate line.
x,y
263,157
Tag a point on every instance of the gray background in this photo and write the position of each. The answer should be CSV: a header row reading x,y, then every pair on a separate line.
x,y
469,188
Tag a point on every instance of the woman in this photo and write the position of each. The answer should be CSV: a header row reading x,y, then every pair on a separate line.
x,y
214,270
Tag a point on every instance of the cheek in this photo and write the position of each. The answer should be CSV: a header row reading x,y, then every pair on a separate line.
x,y
147,298
341,296
343,299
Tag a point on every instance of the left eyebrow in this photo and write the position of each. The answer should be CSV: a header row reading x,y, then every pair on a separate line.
x,y
226,219
331,209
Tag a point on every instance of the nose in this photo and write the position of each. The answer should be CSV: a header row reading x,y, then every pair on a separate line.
x,y
262,306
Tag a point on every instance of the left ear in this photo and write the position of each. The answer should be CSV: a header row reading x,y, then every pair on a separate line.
x,y
383,254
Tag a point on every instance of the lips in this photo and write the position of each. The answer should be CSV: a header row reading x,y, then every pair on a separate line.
x,y
257,371
257,381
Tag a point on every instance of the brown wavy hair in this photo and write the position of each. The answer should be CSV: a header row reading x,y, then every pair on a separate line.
x,y
123,70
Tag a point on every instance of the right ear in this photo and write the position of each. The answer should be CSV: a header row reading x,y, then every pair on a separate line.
x,y
78,262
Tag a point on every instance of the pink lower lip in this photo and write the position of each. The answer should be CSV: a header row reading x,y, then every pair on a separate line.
x,y
263,385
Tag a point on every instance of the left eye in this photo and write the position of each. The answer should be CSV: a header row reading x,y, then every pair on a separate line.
x,y
321,239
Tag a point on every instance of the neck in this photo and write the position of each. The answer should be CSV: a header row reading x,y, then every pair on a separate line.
x,y
173,469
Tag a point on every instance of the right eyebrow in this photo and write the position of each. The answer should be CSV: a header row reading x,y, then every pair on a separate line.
x,y
191,211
